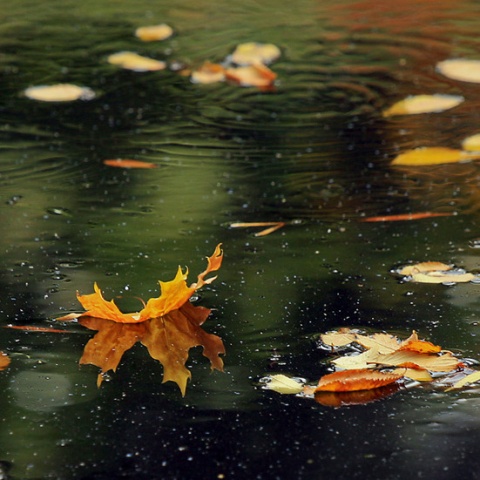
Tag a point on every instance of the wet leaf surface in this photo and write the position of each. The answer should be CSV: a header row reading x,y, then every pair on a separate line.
x,y
423,104
63,92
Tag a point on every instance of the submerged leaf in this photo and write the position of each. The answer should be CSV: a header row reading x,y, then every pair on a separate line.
x,y
423,104
460,69
168,340
4,361
125,163
354,380
62,92
434,156
154,33
251,53
406,217
135,62
174,294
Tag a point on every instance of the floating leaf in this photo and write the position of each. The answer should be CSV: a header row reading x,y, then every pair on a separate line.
x,y
154,33
445,362
361,397
423,104
62,92
424,267
252,53
338,339
283,384
4,361
174,294
168,340
34,328
468,380
460,69
354,380
416,374
453,276
434,156
405,217
125,163
273,226
208,73
135,62
251,76
419,346
472,143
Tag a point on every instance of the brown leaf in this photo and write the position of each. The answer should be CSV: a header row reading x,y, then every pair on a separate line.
x,y
4,361
354,380
168,339
342,399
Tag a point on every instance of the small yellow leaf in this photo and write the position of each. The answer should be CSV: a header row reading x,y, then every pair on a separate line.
x,y
472,143
338,339
62,92
423,267
283,384
256,75
135,62
443,277
153,33
472,378
434,363
434,156
460,69
423,104
367,359
208,73
251,52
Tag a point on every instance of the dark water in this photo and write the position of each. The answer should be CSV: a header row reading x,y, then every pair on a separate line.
x,y
314,153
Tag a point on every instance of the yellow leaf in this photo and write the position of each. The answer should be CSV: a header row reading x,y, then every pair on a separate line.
x,y
251,52
453,276
174,294
382,342
419,375
472,143
208,73
423,267
460,69
154,32
445,362
135,62
469,379
256,75
62,92
434,156
423,104
367,359
283,384
338,339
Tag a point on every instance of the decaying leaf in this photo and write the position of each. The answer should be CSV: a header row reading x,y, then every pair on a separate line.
x,y
208,73
423,104
472,143
168,340
252,53
405,217
4,361
135,62
126,163
460,69
256,75
154,33
62,92
283,384
434,156
174,294
355,380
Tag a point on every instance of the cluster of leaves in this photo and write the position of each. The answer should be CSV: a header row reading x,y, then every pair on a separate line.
x,y
375,366
456,69
168,325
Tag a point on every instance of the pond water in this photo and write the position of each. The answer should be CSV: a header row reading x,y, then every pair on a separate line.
x,y
314,153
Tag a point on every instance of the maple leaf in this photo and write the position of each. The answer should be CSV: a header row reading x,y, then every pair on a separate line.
x,y
174,294
168,340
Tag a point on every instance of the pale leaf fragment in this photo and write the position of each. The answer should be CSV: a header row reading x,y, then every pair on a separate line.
x,y
472,143
434,156
423,104
135,62
367,359
460,69
208,73
338,339
452,276
256,75
154,33
284,384
382,342
445,362
62,92
419,375
469,379
423,267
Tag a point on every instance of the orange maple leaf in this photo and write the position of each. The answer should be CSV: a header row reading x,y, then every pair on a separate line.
x,y
174,294
168,340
